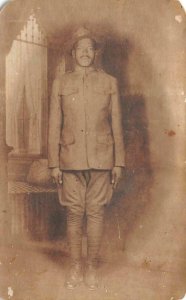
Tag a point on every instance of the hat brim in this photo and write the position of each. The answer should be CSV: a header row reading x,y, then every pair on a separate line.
x,y
70,44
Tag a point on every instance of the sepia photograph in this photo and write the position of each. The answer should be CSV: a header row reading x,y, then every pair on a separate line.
x,y
93,150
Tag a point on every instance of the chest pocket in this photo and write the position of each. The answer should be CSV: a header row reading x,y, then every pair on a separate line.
x,y
101,90
69,91
102,98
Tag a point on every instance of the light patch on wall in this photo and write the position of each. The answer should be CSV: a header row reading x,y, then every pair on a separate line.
x,y
184,298
10,292
3,3
178,18
183,4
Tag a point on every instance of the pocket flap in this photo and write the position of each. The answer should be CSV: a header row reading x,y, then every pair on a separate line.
x,y
67,139
105,139
101,90
69,90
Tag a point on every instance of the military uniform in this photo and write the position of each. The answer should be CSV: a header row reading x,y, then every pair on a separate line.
x,y
85,120
85,142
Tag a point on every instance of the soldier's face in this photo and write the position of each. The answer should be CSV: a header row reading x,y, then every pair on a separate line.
x,y
84,52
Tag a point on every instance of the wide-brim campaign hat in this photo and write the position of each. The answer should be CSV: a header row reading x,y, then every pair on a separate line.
x,y
83,33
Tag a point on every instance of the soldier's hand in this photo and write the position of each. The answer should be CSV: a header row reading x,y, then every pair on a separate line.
x,y
56,174
116,176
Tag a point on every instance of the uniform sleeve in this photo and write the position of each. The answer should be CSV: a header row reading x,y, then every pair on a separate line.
x,y
55,122
116,115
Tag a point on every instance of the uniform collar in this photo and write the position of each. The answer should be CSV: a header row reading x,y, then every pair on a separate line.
x,y
85,70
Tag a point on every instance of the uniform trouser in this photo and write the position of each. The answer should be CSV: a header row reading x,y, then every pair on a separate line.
x,y
85,193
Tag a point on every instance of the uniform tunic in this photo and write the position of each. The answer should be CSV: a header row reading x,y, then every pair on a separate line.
x,y
85,124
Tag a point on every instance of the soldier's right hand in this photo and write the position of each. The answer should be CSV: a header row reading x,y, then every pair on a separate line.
x,y
56,174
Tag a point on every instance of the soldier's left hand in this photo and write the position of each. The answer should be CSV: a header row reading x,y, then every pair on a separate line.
x,y
116,176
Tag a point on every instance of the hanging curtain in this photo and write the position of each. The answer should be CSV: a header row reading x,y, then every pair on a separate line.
x,y
14,93
26,90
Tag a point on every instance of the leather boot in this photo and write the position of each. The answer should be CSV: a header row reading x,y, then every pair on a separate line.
x,y
95,221
74,276
74,232
91,276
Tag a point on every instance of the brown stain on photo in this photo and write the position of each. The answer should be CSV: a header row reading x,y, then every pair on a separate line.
x,y
170,133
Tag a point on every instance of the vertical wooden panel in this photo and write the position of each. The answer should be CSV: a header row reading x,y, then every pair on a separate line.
x,y
4,208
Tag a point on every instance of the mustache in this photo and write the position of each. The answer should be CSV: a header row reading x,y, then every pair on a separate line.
x,y
85,56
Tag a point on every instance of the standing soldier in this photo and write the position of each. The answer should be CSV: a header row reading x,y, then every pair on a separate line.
x,y
85,151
